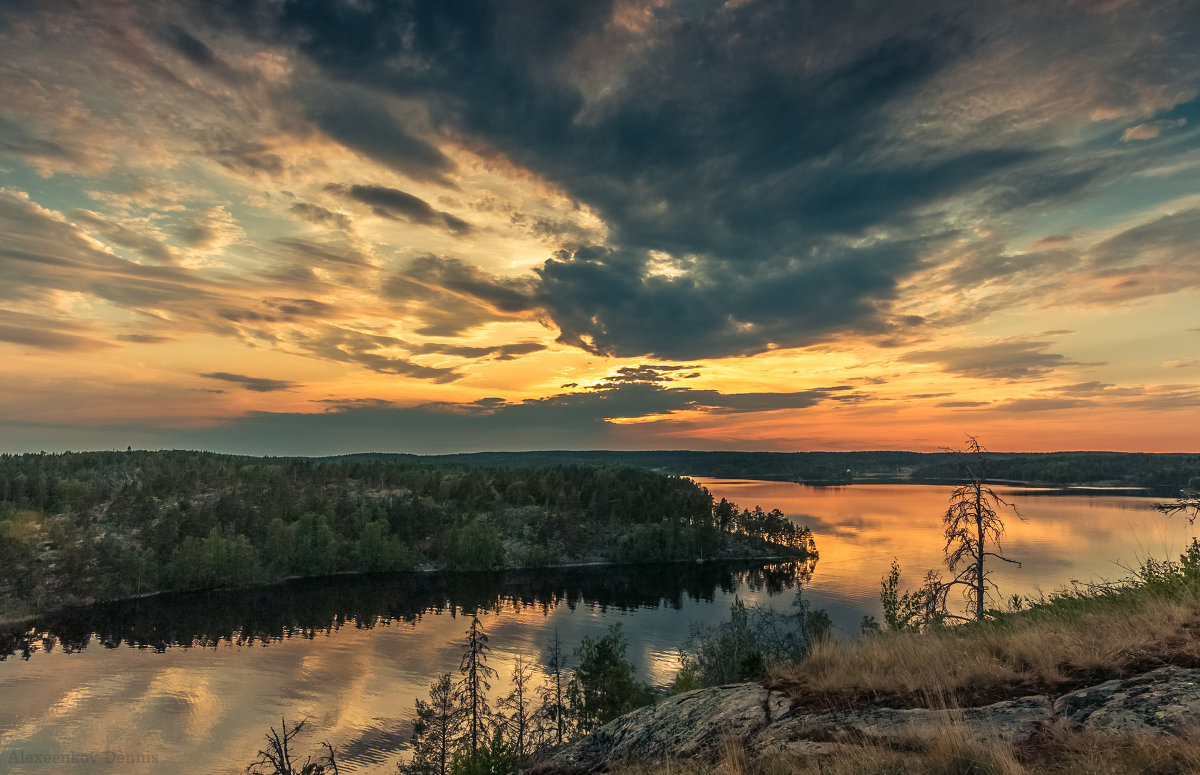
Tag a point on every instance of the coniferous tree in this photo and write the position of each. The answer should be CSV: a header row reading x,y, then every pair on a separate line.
x,y
473,688
554,696
436,730
519,704
605,683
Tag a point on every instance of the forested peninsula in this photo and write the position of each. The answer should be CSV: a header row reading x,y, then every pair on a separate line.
x,y
83,527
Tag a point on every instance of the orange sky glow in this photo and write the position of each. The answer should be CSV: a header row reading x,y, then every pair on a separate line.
x,y
268,231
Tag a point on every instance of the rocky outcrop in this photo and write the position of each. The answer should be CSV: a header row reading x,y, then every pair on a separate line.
x,y
1166,700
695,724
684,726
1010,721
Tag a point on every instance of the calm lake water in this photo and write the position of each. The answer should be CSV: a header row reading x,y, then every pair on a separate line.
x,y
190,683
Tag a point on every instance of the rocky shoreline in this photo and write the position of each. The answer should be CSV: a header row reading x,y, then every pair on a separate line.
x,y
696,724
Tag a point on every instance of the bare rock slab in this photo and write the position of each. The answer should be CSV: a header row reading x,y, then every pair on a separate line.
x,y
694,725
684,726
1008,721
1166,700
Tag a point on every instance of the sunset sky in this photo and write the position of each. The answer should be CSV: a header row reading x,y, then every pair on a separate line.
x,y
299,227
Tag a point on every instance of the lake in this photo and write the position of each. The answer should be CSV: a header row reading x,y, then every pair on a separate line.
x,y
191,682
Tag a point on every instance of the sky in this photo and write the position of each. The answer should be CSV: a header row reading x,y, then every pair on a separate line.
x,y
300,227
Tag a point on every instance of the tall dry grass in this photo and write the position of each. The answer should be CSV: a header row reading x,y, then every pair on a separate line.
x,y
1072,637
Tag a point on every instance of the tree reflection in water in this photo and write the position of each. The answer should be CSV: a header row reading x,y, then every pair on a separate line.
x,y
306,607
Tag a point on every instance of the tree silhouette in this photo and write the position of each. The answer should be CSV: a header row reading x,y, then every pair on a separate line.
x,y
519,703
972,524
276,758
435,731
605,683
1187,504
473,688
554,698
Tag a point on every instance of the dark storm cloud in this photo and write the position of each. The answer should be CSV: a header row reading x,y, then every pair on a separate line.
x,y
608,303
254,384
400,205
449,297
503,294
1010,360
798,156
355,118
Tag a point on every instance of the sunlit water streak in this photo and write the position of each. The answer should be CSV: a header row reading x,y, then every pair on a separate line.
x,y
352,655
1059,537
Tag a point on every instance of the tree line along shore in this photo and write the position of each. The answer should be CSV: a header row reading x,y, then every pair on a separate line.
x,y
1168,470
83,527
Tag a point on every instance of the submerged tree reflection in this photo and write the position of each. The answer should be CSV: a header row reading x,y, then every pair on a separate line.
x,y
308,607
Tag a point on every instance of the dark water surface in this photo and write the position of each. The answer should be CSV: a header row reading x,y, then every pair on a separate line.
x,y
190,682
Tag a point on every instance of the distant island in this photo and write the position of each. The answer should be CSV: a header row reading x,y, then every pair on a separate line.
x,y
85,527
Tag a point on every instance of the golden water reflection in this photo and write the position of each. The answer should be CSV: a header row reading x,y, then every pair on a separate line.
x,y
859,529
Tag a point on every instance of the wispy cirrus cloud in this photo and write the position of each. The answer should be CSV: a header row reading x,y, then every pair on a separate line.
x,y
253,384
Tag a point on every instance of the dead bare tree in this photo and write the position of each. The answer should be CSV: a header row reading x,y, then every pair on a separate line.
x,y
1187,504
276,758
972,523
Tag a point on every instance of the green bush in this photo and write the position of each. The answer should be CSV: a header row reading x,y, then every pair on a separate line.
x,y
748,644
378,550
475,546
218,560
495,757
605,683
